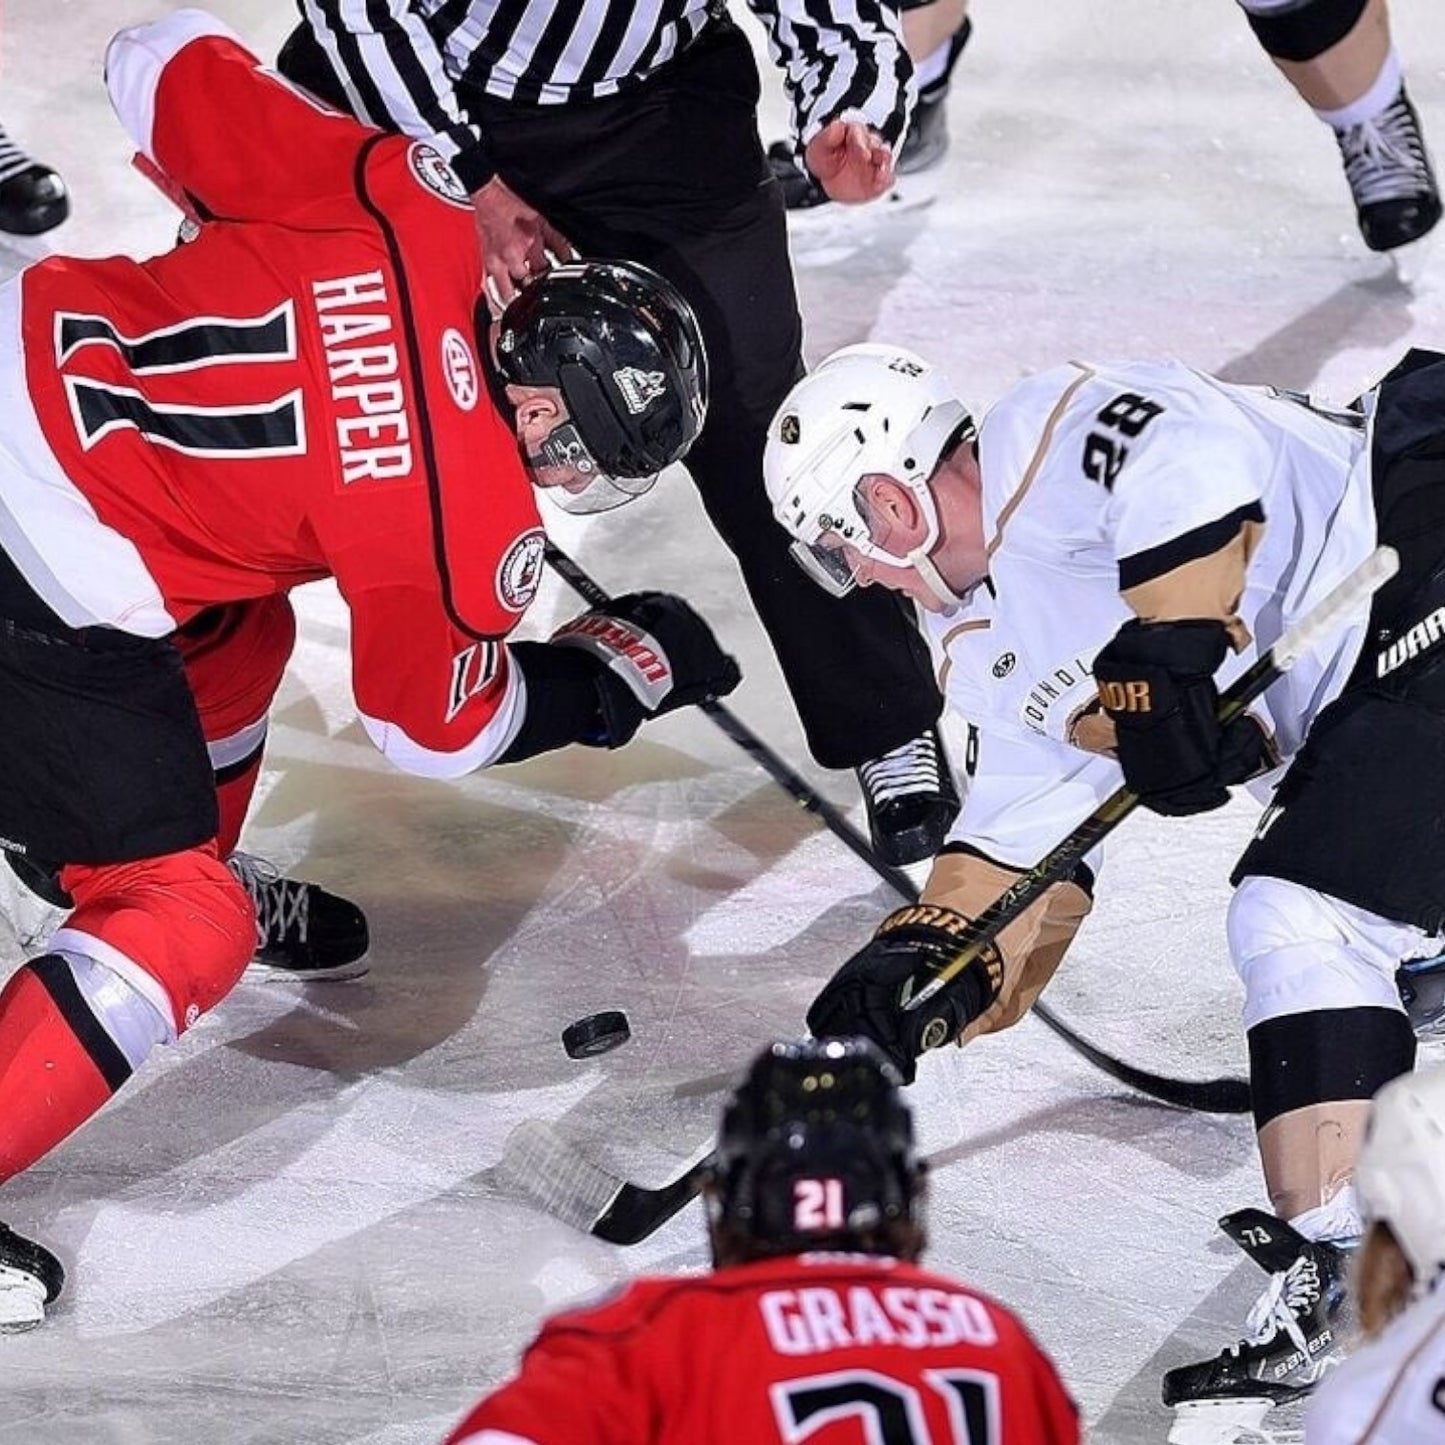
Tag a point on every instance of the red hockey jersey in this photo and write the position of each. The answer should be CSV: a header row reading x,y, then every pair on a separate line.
x,y
831,1349
293,395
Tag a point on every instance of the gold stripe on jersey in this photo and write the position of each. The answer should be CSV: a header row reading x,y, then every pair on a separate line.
x,y
1037,460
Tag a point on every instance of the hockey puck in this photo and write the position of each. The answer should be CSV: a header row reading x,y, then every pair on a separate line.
x,y
596,1034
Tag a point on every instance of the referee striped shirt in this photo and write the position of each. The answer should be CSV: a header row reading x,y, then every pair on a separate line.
x,y
402,61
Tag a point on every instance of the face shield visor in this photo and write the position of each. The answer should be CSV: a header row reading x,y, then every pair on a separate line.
x,y
567,472
831,538
828,564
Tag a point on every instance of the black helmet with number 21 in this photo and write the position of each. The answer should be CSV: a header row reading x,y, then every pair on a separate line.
x,y
816,1152
624,348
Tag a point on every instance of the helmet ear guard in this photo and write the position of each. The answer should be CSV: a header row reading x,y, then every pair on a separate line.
x,y
624,348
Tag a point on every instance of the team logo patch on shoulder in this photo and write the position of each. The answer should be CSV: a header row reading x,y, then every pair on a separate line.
x,y
520,571
459,367
435,174
1004,665
639,388
790,429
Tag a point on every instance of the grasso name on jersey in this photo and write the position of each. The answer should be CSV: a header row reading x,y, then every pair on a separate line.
x,y
372,430
817,1318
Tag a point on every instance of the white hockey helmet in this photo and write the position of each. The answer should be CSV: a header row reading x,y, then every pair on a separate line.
x,y
1400,1174
865,409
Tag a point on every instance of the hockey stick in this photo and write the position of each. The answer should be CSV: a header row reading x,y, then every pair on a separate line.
x,y
588,1197
1210,1096
797,787
591,1199
1060,862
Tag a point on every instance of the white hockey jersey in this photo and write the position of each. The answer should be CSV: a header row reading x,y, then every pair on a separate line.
x,y
1099,479
1391,1391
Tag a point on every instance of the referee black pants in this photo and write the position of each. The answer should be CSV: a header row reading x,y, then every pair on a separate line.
x,y
672,174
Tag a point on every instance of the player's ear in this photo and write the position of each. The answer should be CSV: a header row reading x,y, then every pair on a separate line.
x,y
887,502
537,410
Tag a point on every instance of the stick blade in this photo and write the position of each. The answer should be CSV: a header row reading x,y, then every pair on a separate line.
x,y
556,1176
1205,1096
579,1193
635,1212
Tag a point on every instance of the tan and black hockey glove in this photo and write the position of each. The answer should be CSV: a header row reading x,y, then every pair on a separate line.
x,y
911,946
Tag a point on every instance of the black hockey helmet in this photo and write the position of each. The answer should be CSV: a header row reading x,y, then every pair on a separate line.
x,y
816,1152
624,348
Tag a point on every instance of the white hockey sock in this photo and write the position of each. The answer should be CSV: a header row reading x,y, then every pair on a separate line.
x,y
126,1002
1372,102
933,66
1336,1220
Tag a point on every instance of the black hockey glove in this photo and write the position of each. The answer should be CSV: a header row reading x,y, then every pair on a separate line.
x,y
866,996
1156,681
656,655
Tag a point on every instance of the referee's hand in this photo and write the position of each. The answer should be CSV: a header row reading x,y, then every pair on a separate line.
x,y
517,242
851,161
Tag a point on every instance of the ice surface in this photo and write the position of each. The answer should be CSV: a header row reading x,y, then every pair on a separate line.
x,y
292,1227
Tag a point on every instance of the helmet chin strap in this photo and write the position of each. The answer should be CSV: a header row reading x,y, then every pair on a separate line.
x,y
924,565
920,558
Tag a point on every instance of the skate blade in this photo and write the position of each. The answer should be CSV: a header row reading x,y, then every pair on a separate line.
x,y
1409,262
258,970
1221,1422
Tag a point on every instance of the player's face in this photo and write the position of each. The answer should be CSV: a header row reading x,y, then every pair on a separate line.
x,y
868,571
895,528
561,463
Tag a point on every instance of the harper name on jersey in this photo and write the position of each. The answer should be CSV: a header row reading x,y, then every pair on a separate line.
x,y
372,405
292,395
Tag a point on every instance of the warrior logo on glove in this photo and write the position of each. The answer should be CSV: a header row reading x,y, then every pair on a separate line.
x,y
629,652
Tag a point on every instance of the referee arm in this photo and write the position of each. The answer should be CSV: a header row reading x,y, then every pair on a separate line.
x,y
395,76
849,78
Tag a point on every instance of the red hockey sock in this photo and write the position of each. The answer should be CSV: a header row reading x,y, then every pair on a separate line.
x,y
233,798
57,1065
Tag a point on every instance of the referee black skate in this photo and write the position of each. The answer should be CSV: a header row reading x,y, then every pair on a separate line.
x,y
637,138
33,198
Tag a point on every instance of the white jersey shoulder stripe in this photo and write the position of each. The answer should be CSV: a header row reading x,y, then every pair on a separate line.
x,y
135,58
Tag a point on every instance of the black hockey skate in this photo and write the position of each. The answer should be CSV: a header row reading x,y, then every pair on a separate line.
x,y
1292,1335
926,141
302,931
30,1279
912,800
1388,168
32,197
1421,982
